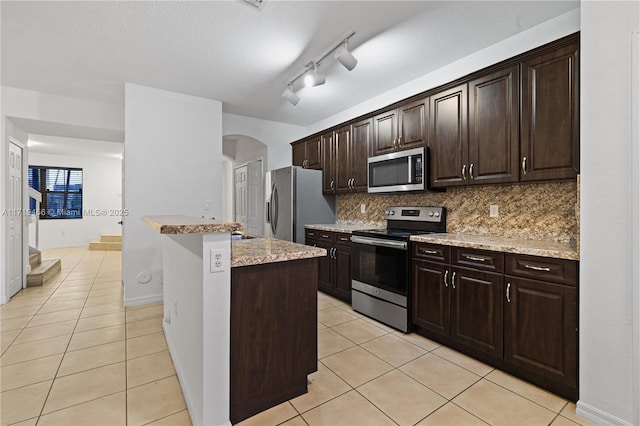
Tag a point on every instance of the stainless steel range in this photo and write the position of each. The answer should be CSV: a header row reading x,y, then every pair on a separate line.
x,y
380,263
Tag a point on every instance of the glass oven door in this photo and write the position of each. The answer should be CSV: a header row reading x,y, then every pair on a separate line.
x,y
380,263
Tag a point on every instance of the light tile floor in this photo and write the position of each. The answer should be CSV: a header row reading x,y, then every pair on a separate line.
x,y
72,355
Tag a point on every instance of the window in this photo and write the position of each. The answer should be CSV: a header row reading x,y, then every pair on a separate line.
x,y
61,189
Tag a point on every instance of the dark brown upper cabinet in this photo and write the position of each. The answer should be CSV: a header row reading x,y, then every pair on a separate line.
x,y
328,160
307,153
493,127
448,140
345,156
550,116
400,128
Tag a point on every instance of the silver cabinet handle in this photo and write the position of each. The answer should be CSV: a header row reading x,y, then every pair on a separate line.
x,y
332,185
453,280
353,183
311,234
509,292
464,172
334,252
425,251
471,171
325,236
477,259
446,274
538,268
524,165
399,140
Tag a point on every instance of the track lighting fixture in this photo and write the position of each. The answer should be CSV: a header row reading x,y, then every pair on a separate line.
x,y
345,57
314,78
289,95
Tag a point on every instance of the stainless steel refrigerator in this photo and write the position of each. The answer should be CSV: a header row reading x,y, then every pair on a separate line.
x,y
294,199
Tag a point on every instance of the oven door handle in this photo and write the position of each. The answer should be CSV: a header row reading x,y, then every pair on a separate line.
x,y
402,245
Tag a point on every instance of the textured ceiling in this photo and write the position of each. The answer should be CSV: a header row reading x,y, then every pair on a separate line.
x,y
244,57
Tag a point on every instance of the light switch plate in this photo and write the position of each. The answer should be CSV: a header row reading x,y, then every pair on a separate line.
x,y
493,210
363,208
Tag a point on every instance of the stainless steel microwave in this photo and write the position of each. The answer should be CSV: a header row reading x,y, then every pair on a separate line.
x,y
398,171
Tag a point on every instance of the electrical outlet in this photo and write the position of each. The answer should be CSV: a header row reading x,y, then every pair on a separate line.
x,y
493,210
363,208
218,260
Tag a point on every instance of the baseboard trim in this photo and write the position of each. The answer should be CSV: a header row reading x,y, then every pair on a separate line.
x,y
143,300
597,416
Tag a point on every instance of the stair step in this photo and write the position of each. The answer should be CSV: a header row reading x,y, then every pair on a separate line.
x,y
35,259
109,246
111,238
44,272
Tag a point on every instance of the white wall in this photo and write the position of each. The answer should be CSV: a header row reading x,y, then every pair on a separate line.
x,y
101,192
276,136
173,157
606,260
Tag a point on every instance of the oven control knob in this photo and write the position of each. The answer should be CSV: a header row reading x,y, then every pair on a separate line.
x,y
437,214
391,212
430,214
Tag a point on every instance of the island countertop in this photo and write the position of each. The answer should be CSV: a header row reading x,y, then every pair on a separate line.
x,y
179,224
259,251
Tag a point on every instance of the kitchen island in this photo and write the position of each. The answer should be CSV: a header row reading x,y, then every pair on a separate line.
x,y
236,317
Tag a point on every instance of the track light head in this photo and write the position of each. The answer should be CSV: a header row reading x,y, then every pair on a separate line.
x,y
289,95
345,57
315,79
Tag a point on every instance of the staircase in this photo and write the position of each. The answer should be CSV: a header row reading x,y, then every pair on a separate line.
x,y
111,242
41,271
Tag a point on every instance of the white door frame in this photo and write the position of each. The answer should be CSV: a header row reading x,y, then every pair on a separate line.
x,y
23,222
635,217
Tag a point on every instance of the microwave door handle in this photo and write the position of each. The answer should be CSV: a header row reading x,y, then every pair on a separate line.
x,y
410,180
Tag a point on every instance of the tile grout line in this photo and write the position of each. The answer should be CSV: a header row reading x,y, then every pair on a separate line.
x,y
65,352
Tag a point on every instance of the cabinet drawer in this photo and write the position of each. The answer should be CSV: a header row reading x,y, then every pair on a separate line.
x,y
325,236
560,271
311,234
432,252
478,259
343,238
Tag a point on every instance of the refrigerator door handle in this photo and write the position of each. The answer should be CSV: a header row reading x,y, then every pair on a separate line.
x,y
274,213
268,218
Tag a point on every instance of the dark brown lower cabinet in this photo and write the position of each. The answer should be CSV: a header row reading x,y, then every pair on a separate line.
x,y
515,312
274,341
430,297
334,276
476,309
540,328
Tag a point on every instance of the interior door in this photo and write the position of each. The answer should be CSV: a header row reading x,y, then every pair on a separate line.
x,y
15,220
254,197
240,191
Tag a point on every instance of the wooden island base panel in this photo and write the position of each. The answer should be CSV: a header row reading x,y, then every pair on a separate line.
x,y
274,334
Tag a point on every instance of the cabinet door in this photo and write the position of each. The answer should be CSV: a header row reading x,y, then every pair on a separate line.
x,y
541,328
412,125
430,297
477,310
550,116
385,133
298,153
341,162
325,268
493,127
448,137
328,171
314,153
358,154
343,272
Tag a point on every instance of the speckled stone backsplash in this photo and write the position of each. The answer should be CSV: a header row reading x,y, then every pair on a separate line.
x,y
542,211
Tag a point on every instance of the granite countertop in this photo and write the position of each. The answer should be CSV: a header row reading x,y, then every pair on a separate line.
x,y
503,244
259,251
345,227
177,224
